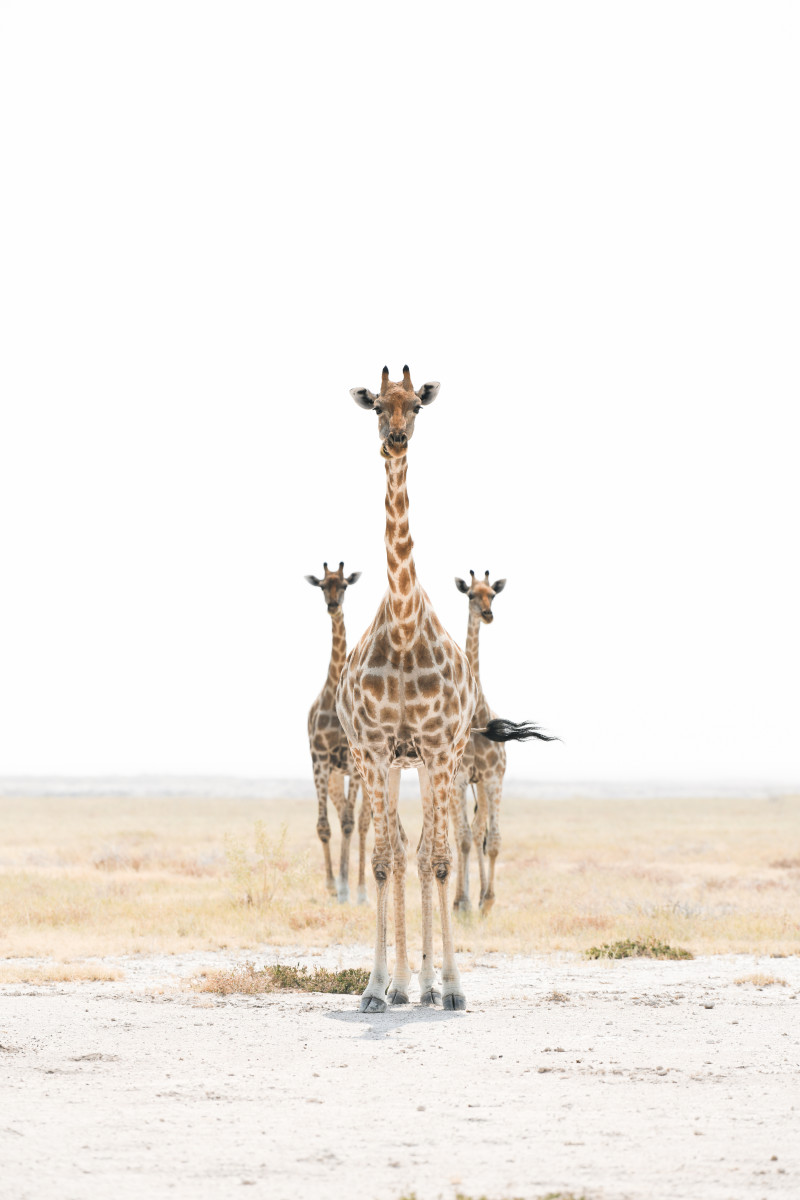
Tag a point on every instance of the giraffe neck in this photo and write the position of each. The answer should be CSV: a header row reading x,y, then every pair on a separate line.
x,y
473,631
404,590
338,651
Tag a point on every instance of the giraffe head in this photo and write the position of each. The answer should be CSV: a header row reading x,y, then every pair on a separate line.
x,y
334,585
396,407
481,594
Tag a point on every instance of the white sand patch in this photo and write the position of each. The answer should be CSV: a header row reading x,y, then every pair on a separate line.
x,y
635,1079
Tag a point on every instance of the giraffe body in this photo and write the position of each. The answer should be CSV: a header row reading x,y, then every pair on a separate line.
x,y
407,698
335,775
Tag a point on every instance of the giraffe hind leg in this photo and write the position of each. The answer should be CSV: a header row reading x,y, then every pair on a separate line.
x,y
442,770
493,841
429,988
479,823
463,836
401,977
373,774
364,817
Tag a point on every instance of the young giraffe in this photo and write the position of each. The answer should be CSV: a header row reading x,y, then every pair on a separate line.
x,y
407,698
330,755
483,764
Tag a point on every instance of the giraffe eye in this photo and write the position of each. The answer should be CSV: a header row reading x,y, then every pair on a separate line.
x,y
378,411
418,408
471,595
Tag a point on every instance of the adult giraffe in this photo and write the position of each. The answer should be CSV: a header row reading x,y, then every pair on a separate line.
x,y
407,698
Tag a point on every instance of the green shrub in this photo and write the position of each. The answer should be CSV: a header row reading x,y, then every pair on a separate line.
x,y
650,948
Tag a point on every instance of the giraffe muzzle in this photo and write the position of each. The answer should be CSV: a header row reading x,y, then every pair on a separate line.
x,y
488,616
395,445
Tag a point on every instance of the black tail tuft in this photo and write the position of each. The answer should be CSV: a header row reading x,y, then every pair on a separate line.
x,y
499,730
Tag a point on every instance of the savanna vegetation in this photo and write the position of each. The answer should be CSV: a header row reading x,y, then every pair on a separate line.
x,y
88,876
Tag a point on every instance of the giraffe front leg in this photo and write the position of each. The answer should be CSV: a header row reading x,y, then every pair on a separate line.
x,y
323,824
429,990
463,836
442,771
373,999
493,841
398,988
363,830
344,808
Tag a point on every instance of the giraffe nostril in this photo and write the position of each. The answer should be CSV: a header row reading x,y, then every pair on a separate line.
x,y
398,439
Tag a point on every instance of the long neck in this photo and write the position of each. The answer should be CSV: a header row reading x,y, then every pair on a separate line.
x,y
338,649
473,630
404,594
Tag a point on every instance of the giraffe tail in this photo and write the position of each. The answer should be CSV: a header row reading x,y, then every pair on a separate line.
x,y
499,730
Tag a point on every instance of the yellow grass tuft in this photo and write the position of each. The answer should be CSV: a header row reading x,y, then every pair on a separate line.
x,y
58,973
761,981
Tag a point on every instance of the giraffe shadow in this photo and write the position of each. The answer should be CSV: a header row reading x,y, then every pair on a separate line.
x,y
378,1025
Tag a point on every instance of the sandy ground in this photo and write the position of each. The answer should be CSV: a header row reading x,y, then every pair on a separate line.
x,y
632,1079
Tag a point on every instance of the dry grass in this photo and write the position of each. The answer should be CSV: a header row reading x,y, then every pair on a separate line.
x,y
58,973
761,981
549,1196
247,980
89,876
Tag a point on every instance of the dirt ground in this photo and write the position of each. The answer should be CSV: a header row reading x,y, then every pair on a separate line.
x,y
633,1079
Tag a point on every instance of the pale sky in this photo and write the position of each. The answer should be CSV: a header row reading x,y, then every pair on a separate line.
x,y
581,218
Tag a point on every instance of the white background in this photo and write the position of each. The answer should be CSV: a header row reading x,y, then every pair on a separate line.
x,y
218,218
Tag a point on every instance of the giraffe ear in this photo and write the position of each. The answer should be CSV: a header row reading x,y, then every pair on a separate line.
x,y
498,587
427,393
312,579
462,587
363,397
354,577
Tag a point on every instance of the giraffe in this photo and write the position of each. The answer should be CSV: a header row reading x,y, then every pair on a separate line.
x,y
483,764
407,698
330,755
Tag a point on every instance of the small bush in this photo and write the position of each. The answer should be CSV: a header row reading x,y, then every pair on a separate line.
x,y
650,948
258,875
246,980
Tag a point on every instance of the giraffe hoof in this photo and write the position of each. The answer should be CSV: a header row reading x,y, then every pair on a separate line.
x,y
461,905
432,996
398,998
362,895
455,1002
372,1004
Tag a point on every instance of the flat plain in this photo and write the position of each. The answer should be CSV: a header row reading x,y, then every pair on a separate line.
x,y
607,1079
95,876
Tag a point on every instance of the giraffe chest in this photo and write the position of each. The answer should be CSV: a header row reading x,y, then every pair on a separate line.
x,y
408,700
